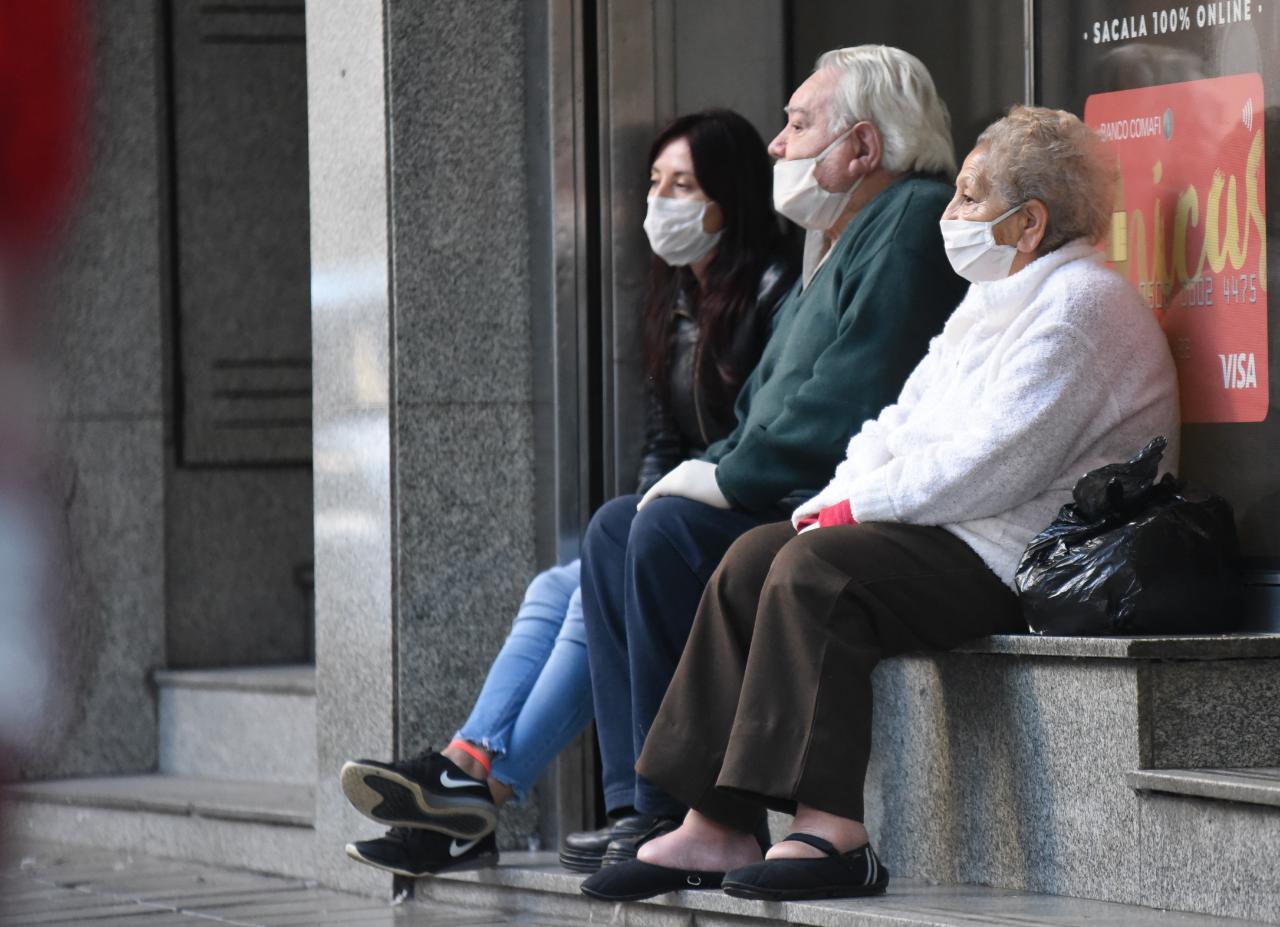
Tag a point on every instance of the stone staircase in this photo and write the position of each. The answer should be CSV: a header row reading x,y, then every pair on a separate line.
x,y
1022,781
1032,781
1211,838
234,785
1080,767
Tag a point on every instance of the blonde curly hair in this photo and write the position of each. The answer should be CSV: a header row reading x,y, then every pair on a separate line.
x,y
1035,153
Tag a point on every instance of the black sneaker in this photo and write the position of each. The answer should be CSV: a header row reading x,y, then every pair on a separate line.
x,y
415,853
427,791
585,850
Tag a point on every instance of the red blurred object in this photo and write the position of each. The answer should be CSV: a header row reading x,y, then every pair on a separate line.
x,y
44,67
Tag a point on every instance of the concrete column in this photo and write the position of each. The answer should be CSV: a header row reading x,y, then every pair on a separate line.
x,y
422,366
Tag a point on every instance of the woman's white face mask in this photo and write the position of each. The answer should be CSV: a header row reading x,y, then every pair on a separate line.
x,y
674,227
972,249
797,196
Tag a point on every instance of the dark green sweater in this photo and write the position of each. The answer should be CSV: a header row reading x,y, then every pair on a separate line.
x,y
840,349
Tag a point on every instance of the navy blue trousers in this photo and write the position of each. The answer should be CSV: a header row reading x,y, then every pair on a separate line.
x,y
642,578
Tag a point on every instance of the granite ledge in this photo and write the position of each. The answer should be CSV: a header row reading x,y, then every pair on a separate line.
x,y
295,679
1259,786
1243,646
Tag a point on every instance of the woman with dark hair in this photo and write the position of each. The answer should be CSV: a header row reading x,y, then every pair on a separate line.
x,y
717,276
703,324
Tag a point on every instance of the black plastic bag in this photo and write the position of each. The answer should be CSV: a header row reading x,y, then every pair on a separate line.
x,y
1134,556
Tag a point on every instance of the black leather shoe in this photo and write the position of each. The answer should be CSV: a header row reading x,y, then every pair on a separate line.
x,y
584,851
623,849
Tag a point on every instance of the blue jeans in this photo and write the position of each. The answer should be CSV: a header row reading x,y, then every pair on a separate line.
x,y
537,696
642,578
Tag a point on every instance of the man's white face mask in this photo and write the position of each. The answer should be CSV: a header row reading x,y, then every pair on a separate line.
x,y
972,249
797,196
674,227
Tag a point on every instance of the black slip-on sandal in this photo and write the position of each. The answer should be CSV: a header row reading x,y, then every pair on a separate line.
x,y
635,881
837,875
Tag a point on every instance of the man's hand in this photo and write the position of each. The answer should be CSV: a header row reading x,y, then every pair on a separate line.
x,y
693,479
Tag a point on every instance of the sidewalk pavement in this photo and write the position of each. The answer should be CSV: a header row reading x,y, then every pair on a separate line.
x,y
51,884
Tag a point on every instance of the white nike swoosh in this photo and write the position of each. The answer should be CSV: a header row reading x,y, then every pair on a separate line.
x,y
451,783
456,849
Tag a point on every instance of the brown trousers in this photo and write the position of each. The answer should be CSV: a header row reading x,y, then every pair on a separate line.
x,y
771,703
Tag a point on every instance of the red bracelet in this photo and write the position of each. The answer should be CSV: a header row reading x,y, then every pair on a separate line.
x,y
475,754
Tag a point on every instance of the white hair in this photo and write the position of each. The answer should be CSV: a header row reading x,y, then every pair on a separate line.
x,y
893,91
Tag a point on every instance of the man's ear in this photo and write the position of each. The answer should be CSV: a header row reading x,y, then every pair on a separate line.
x,y
1036,216
870,149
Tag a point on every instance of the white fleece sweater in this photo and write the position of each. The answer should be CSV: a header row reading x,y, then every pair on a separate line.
x,y
1034,380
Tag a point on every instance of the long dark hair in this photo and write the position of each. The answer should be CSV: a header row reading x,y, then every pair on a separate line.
x,y
733,168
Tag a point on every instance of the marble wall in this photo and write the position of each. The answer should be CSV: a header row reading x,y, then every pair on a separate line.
x,y
423,374
108,418
462,366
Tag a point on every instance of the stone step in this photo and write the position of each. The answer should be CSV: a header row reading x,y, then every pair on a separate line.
x,y
1198,647
534,885
253,722
1223,821
1208,701
263,826
1007,764
1259,786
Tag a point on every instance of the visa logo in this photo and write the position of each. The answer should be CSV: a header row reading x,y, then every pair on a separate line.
x,y
1239,371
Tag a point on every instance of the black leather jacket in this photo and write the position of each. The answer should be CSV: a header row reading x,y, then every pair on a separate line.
x,y
680,425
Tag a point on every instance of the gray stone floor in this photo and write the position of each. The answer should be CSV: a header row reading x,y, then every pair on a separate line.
x,y
52,884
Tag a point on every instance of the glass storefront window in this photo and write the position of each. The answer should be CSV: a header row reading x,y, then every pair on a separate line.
x,y
1187,95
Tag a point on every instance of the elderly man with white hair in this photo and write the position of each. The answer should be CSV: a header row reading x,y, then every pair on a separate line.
x,y
861,164
1051,366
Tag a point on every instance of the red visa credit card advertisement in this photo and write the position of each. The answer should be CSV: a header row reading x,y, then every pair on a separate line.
x,y
1189,230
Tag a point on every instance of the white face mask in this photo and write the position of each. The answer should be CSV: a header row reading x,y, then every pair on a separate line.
x,y
675,230
797,196
972,249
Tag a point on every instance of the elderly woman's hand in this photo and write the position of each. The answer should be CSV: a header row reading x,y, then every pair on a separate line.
x,y
841,513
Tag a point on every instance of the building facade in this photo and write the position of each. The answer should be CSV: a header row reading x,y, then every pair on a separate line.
x,y
348,349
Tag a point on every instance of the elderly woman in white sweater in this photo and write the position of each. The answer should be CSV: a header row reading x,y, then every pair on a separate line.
x,y
1052,365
